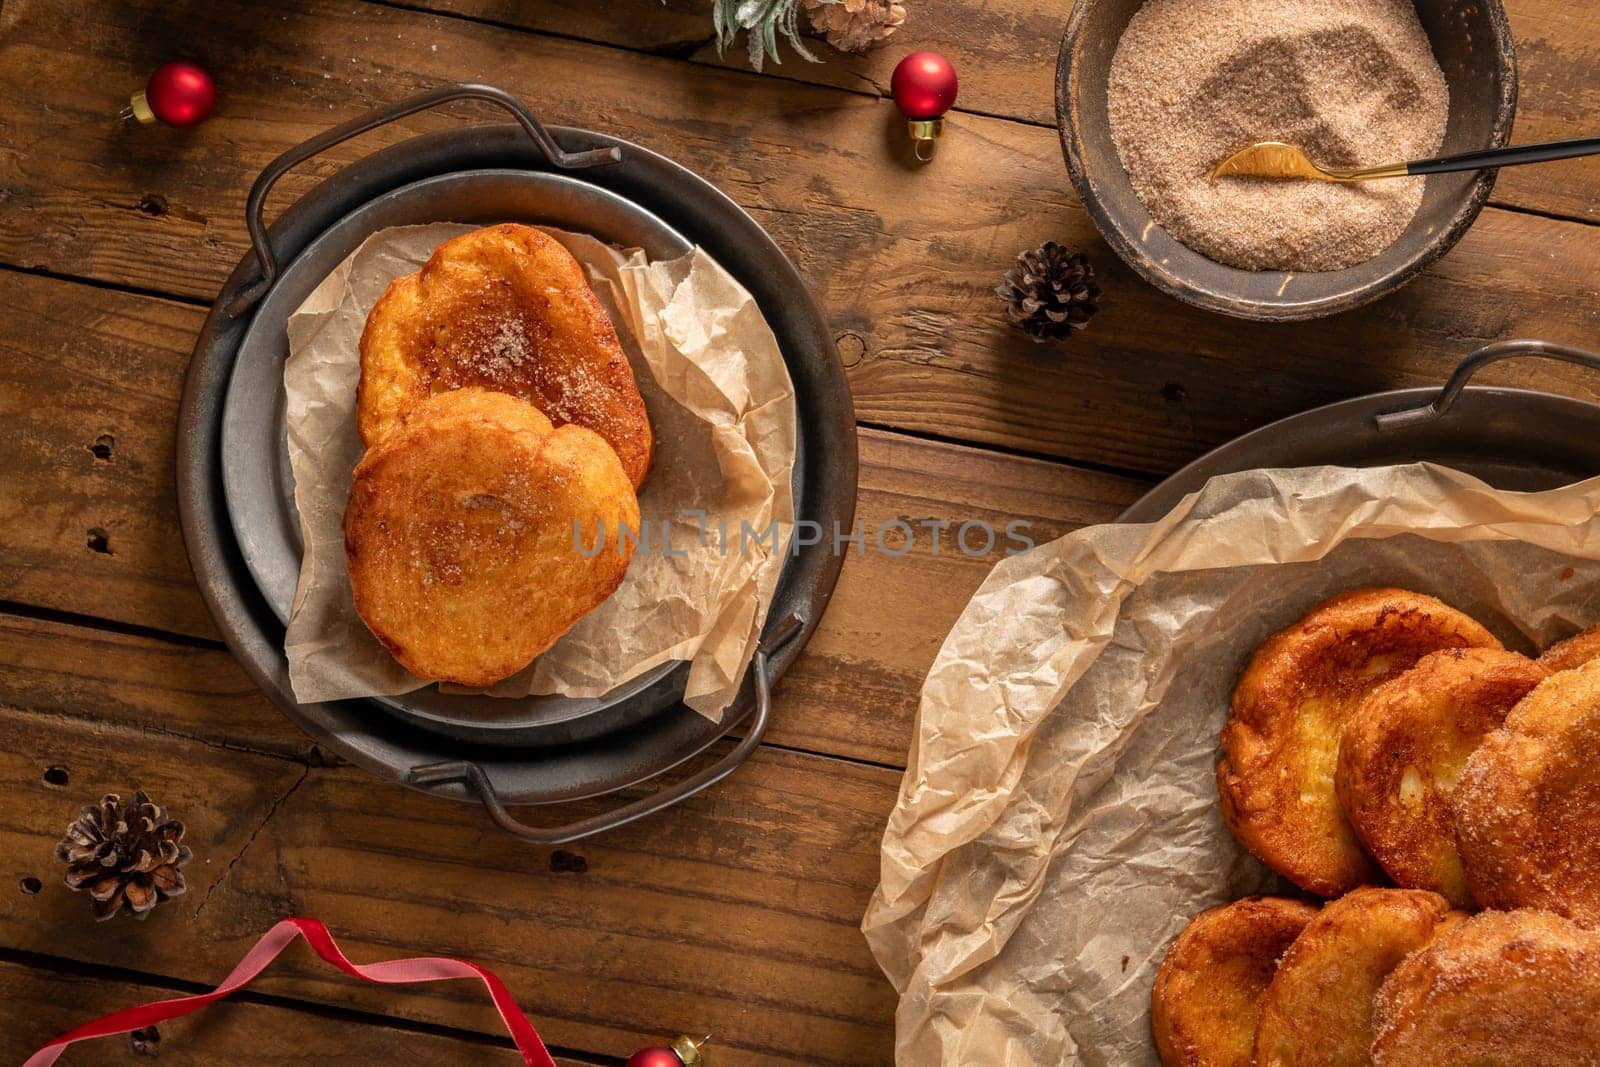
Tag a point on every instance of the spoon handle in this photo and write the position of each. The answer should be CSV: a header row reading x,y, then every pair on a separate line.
x,y
1507,157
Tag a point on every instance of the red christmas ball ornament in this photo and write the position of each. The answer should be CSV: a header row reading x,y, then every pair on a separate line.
x,y
683,1052
178,94
924,88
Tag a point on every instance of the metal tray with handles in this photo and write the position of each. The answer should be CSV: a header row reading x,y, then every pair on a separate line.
x,y
236,495
260,495
1515,439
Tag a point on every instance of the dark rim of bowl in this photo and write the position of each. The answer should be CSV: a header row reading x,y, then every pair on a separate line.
x,y
1123,242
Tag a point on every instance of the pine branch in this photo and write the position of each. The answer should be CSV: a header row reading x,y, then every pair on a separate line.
x,y
762,21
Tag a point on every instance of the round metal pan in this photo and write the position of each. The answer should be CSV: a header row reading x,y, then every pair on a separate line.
x,y
259,485
825,476
1512,439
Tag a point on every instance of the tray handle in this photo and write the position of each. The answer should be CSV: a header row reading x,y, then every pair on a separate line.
x,y
1494,353
478,782
254,206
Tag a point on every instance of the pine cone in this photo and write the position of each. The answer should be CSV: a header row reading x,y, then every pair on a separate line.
x,y
854,25
1050,292
124,858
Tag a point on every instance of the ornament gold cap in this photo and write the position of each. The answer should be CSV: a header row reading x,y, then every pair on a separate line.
x,y
924,132
688,1050
141,108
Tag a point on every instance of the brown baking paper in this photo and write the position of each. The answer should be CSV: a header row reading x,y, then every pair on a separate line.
x,y
722,407
1058,821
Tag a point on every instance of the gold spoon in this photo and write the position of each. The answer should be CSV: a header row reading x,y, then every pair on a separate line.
x,y
1274,159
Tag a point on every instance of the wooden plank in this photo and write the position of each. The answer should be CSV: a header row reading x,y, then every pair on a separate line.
x,y
1558,45
52,766
89,387
736,912
854,690
42,1004
903,258
101,676
83,365
56,765
1006,50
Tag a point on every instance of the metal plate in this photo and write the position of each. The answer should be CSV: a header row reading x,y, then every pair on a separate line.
x,y
825,479
259,484
1511,438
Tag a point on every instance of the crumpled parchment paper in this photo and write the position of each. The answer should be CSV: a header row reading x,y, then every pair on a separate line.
x,y
1058,821
722,407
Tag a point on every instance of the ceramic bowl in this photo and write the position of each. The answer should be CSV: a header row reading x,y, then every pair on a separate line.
x,y
1472,42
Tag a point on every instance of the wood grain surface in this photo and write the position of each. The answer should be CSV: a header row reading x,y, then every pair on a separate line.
x,y
903,258
1005,52
47,1002
97,534
738,911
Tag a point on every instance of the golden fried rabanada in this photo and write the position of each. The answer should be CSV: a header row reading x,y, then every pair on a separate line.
x,y
1404,749
1575,651
460,534
1318,1007
1206,995
505,308
1527,809
1511,988
1280,747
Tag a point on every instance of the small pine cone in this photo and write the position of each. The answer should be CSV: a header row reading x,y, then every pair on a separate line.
x,y
1050,292
855,25
125,858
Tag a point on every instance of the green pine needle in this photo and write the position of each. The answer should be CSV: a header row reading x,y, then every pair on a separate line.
x,y
763,21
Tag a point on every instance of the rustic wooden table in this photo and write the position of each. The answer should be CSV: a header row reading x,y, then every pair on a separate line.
x,y
738,912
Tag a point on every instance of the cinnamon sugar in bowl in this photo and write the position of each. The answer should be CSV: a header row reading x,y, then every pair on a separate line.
x,y
1373,240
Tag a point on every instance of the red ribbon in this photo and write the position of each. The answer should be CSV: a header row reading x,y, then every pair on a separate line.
x,y
389,972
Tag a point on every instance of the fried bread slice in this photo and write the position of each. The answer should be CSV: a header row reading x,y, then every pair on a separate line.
x,y
1281,743
1528,806
462,532
1403,751
505,308
1501,989
1203,1006
1575,651
1317,1011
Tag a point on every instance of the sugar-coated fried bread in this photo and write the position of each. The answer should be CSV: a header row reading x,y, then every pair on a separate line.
x,y
1501,989
1575,651
1317,1011
1528,806
1203,1007
1281,744
1403,751
459,534
505,308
